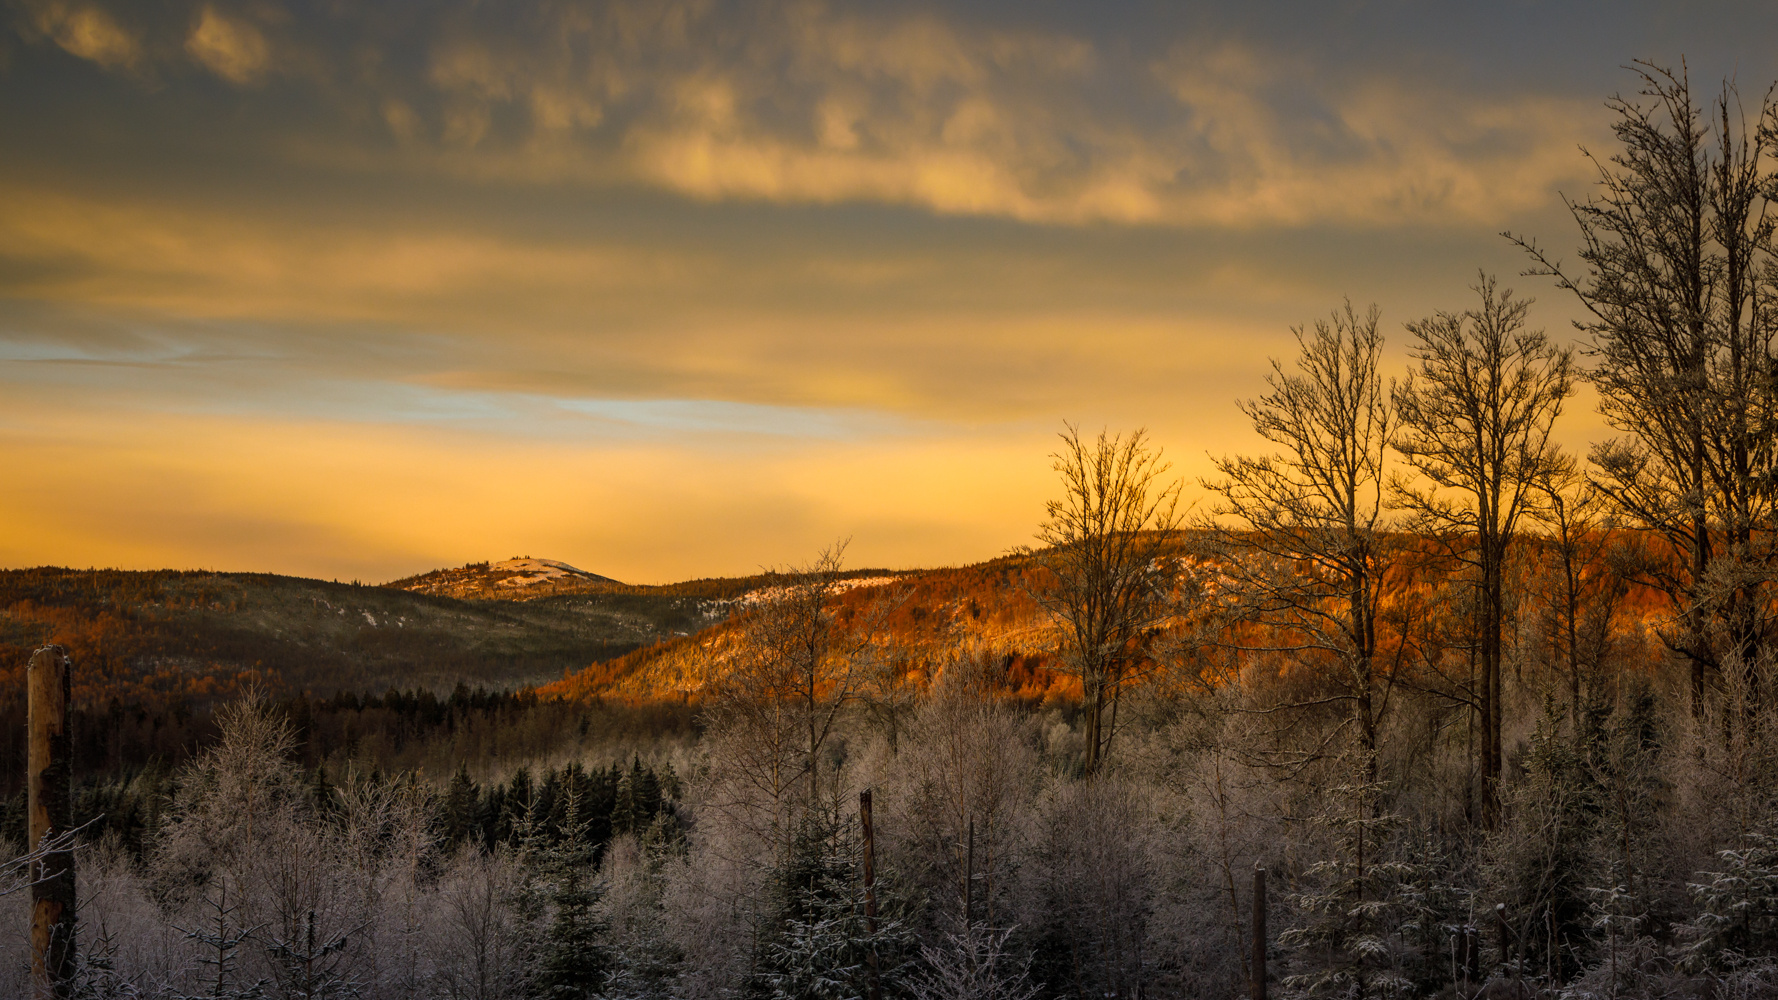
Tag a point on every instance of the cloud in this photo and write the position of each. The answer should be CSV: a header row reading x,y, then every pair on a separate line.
x,y
215,262
814,105
678,288
961,333
804,102
88,31
230,48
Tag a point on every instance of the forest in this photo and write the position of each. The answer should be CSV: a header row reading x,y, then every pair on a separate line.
x,y
1495,720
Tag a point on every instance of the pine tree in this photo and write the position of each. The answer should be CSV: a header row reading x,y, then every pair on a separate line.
x,y
96,976
1544,862
972,963
575,960
823,947
222,939
648,964
626,812
312,967
1737,917
1376,920
458,813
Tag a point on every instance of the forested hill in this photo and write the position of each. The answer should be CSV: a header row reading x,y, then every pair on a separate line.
x,y
914,620
167,636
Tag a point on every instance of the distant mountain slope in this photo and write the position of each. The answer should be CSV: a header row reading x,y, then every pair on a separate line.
x,y
168,634
519,578
924,617
987,611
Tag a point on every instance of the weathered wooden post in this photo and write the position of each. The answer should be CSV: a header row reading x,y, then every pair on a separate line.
x,y
870,886
1259,933
48,778
1506,942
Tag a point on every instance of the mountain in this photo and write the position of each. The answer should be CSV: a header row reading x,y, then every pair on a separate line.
x,y
162,636
520,578
920,621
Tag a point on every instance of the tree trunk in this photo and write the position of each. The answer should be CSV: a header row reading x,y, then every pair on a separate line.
x,y
870,887
1094,702
49,679
1492,612
1257,981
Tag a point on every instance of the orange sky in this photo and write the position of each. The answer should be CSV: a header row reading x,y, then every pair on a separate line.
x,y
673,290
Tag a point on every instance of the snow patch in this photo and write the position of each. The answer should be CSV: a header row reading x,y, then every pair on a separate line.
x,y
765,595
527,571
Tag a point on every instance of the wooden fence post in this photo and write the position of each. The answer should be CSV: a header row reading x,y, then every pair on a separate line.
x,y
1259,933
51,807
870,886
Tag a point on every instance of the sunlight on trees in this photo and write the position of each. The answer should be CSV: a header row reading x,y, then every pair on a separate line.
x,y
1108,549
1495,722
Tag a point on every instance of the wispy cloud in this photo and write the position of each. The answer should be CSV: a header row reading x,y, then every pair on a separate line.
x,y
802,102
87,30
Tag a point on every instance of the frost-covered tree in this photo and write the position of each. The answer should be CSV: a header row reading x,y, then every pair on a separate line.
x,y
1301,537
1473,423
1737,918
824,948
1378,912
1108,549
573,959
972,962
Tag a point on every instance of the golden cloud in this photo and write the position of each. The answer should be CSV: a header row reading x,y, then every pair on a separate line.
x,y
958,334
88,31
230,48
797,101
823,107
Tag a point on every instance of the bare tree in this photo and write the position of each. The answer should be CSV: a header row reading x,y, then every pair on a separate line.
x,y
1474,419
1584,599
892,676
481,941
773,713
1677,279
1298,536
970,762
20,873
1109,548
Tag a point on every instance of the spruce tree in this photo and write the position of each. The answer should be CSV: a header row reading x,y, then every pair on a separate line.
x,y
1376,916
823,947
574,960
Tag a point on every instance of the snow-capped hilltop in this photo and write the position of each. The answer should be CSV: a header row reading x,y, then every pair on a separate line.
x,y
527,571
518,578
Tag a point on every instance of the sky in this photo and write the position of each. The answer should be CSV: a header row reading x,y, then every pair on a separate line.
x,y
668,290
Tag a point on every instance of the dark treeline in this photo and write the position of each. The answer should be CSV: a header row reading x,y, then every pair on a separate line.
x,y
127,758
